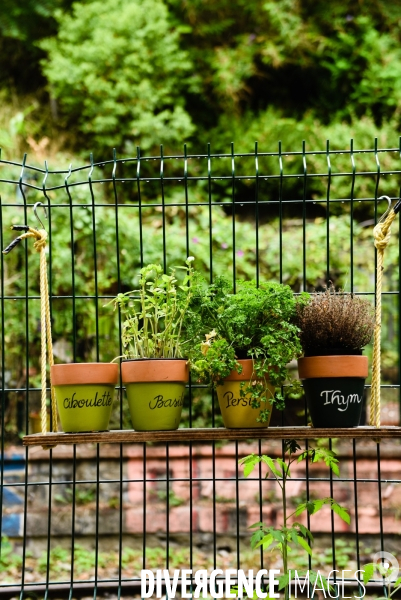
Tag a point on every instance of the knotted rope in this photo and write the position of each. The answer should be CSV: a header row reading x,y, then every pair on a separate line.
x,y
381,234
40,235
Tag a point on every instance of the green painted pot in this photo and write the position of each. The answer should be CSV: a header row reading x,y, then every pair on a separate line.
x,y
334,388
237,412
155,391
84,394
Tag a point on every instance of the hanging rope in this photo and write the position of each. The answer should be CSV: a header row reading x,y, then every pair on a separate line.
x,y
40,235
381,234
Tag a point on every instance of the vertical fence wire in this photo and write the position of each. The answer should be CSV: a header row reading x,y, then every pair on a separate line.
x,y
144,510
351,217
119,390
73,315
355,486
233,237
333,536
257,224
328,189
26,388
73,506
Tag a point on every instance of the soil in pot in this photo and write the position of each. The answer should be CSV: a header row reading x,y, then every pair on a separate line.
x,y
237,412
84,394
155,391
334,388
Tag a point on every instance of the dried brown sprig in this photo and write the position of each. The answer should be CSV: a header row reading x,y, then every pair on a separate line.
x,y
335,320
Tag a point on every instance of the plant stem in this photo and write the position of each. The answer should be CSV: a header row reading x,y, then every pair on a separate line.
x,y
285,546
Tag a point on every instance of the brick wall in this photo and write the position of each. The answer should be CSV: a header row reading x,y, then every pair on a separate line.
x,y
191,505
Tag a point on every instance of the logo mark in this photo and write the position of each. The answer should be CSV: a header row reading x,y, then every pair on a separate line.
x,y
387,565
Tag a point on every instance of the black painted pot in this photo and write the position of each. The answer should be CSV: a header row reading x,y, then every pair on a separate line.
x,y
334,388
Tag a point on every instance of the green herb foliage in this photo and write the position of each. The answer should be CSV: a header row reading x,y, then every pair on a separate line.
x,y
254,322
154,318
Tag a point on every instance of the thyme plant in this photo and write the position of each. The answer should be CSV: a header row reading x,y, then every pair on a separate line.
x,y
154,313
292,534
334,320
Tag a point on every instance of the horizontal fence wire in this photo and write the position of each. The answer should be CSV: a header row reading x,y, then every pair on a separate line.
x,y
83,521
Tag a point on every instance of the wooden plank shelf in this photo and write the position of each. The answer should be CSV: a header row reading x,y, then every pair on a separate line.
x,y
210,434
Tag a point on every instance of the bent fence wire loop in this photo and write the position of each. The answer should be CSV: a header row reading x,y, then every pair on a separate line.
x,y
35,210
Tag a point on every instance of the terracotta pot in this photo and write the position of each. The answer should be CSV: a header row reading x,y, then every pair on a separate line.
x,y
84,394
155,391
237,412
334,388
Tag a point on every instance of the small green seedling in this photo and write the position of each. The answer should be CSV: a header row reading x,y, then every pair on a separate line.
x,y
295,535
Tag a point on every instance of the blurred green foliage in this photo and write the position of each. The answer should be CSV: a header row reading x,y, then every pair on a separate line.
x,y
119,74
129,72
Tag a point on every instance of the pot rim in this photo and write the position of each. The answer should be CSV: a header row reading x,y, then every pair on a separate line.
x,y
342,365
153,370
126,360
84,374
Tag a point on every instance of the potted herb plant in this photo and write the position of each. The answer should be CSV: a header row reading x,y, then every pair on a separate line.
x,y
334,328
250,339
154,369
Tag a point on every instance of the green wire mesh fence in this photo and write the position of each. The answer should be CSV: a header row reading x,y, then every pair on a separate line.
x,y
300,217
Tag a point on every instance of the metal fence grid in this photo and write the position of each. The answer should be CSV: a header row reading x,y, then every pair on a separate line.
x,y
301,217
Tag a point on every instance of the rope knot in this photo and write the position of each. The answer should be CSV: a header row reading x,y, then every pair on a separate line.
x,y
41,240
382,232
381,236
